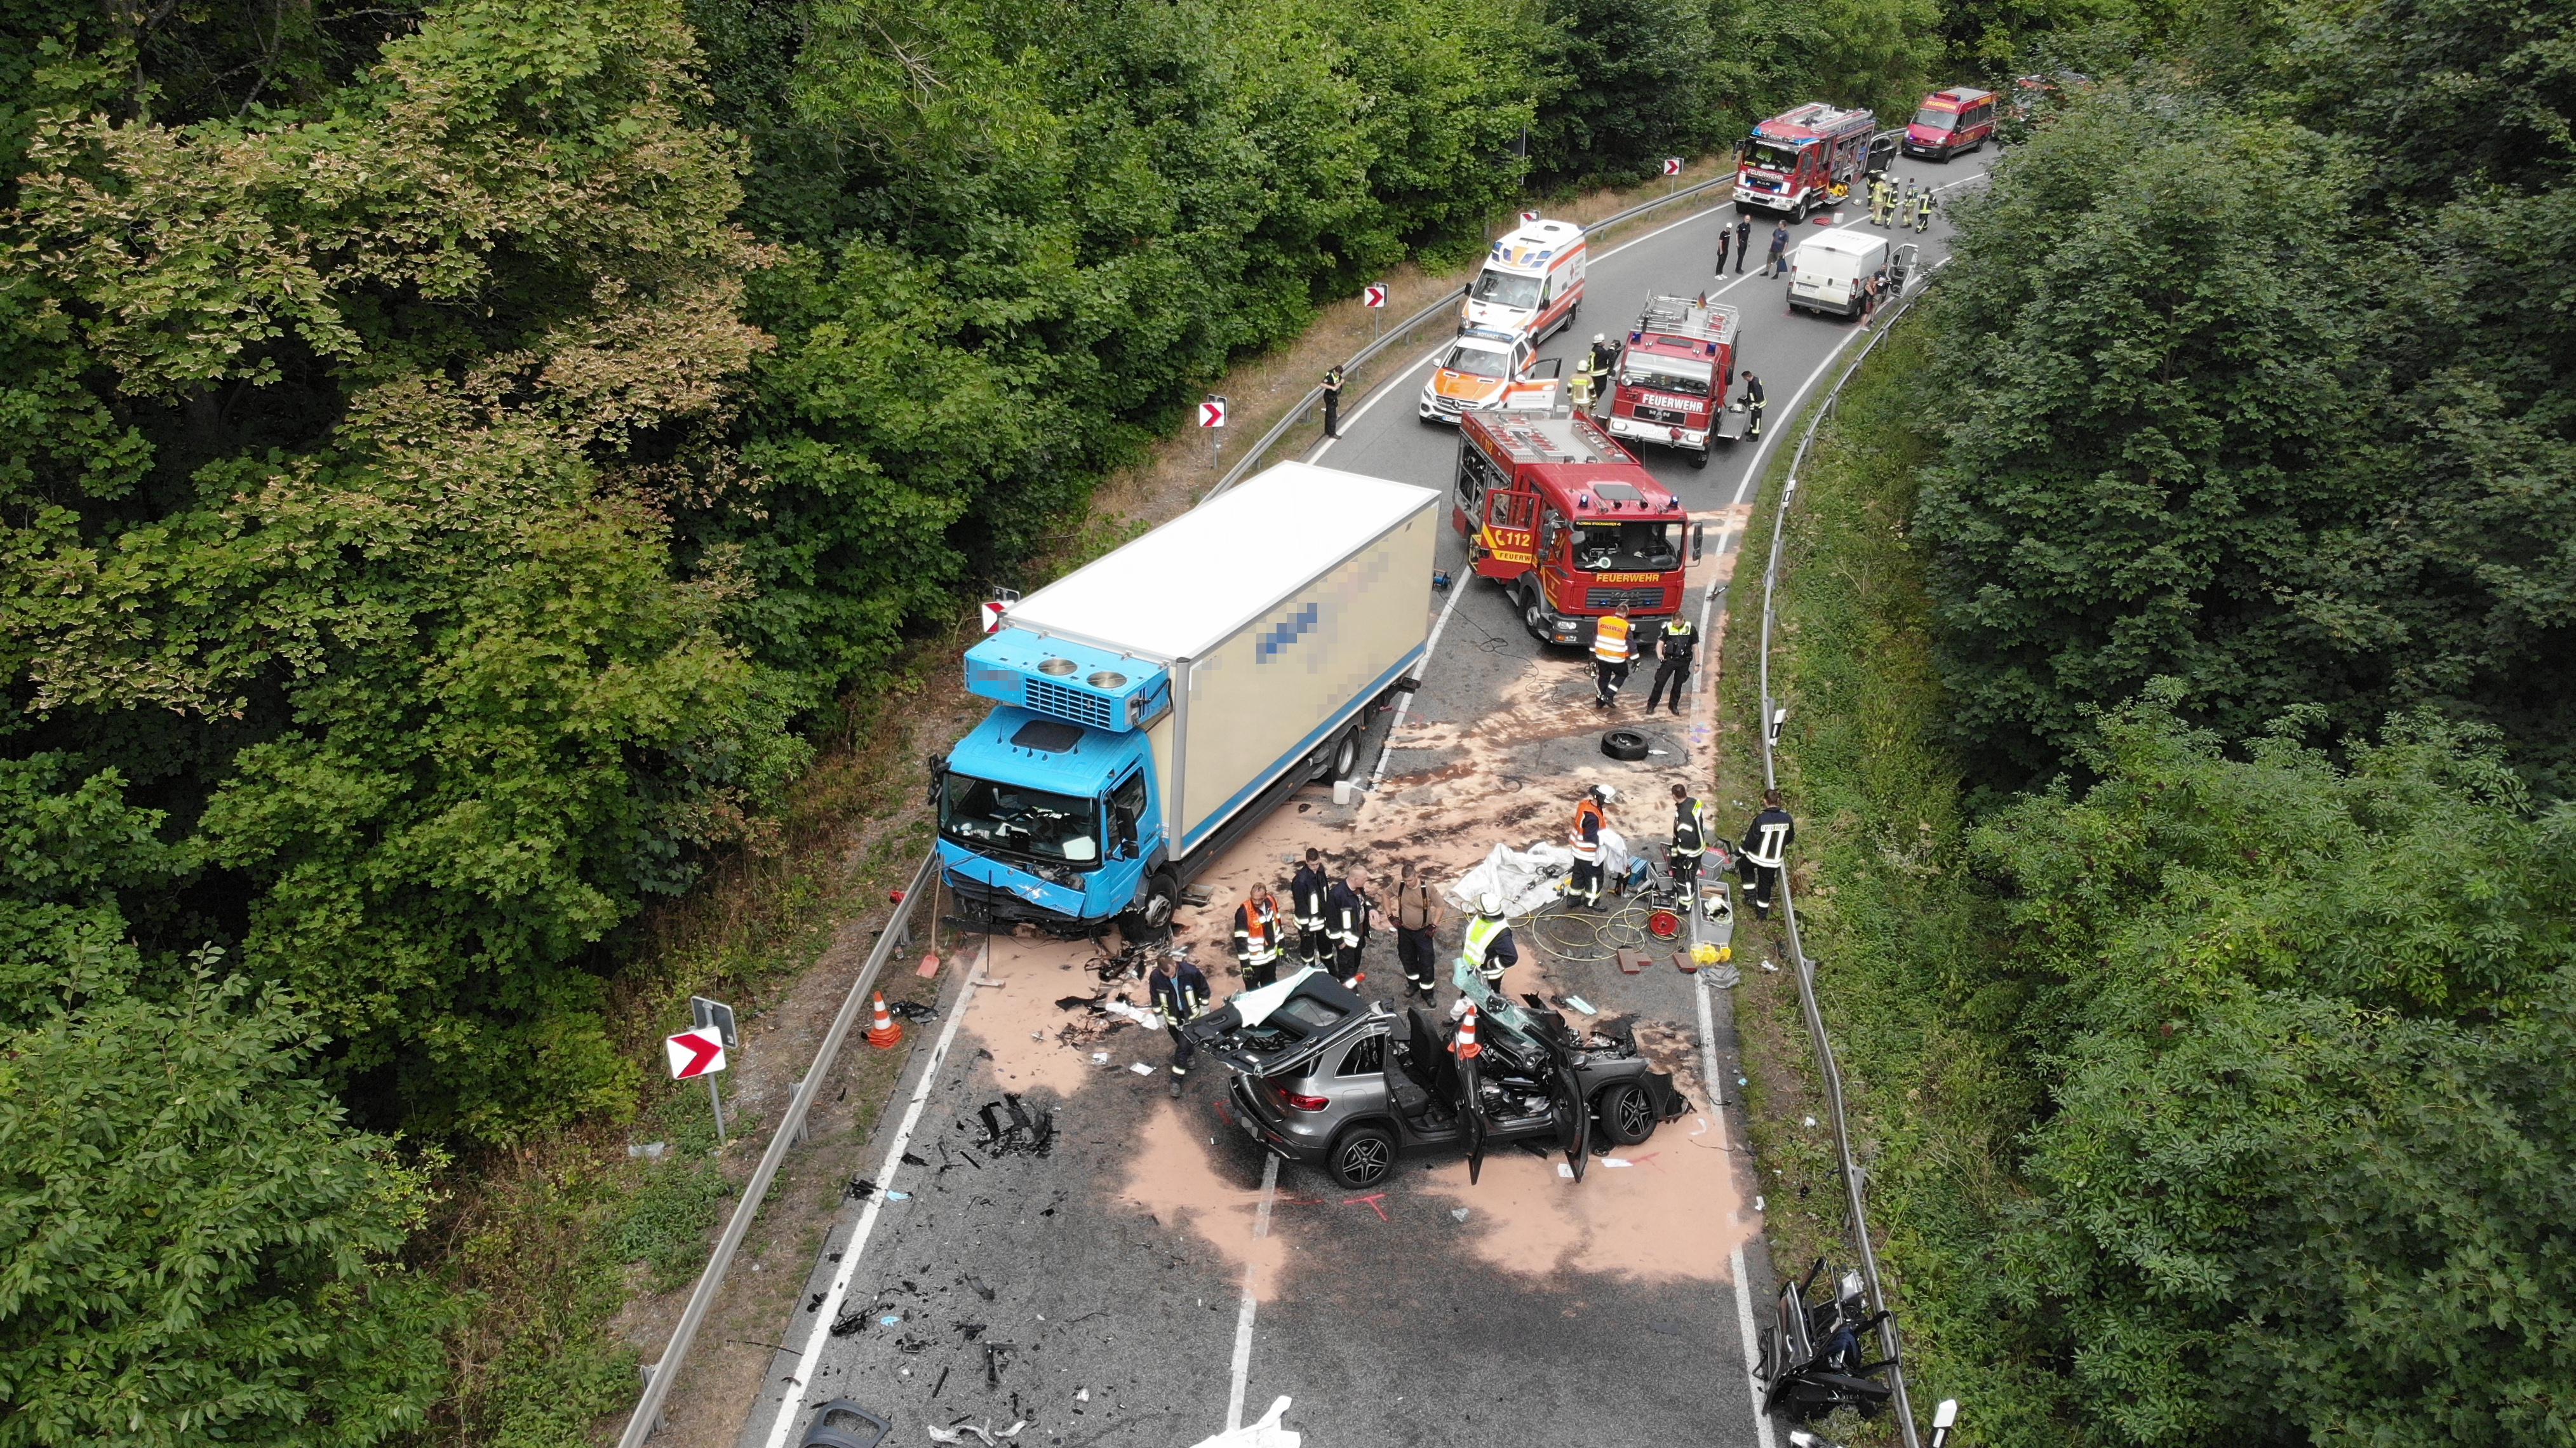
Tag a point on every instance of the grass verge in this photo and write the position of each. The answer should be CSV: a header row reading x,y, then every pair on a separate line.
x,y
1895,924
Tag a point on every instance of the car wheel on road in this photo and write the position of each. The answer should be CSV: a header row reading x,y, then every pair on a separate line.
x,y
1627,1115
1627,745
1363,1157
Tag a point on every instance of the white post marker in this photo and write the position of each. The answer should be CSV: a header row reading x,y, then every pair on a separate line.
x,y
699,1053
1529,216
1212,418
993,613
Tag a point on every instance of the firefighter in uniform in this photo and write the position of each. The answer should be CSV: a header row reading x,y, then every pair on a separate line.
x,y
1180,991
1486,950
1306,897
1923,210
1690,839
1585,838
1417,929
1674,646
1581,388
1256,937
1752,405
1766,845
1348,914
1878,200
1610,656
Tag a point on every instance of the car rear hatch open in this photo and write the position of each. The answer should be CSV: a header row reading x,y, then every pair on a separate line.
x,y
1264,1032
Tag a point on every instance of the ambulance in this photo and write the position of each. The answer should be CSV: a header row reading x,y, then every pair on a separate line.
x,y
1481,370
1951,123
1532,284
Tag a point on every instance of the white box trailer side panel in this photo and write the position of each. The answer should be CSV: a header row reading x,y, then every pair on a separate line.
x,y
1264,698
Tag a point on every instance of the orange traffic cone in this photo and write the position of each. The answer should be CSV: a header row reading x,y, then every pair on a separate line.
x,y
885,1032
1467,1048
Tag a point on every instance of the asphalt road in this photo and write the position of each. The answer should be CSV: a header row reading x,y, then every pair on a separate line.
x,y
1155,1278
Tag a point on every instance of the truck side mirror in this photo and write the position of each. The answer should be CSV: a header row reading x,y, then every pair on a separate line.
x,y
938,777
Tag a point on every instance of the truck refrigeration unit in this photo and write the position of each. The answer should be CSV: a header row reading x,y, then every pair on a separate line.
x,y
1155,705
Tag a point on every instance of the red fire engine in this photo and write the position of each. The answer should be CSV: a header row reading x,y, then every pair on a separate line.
x,y
1802,159
1674,374
1567,521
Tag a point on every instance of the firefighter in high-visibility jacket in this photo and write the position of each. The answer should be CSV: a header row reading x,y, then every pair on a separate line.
x,y
1881,198
1349,914
1486,950
1585,840
1180,991
1766,847
1256,937
1690,838
1306,897
1610,651
1580,389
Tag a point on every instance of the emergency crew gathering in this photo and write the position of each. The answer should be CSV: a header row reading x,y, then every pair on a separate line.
x,y
1332,916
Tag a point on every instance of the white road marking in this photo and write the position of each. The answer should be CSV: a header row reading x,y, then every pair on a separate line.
x,y
802,1379
1735,1258
1243,1315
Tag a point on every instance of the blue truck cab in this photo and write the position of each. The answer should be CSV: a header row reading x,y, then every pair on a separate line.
x,y
1063,815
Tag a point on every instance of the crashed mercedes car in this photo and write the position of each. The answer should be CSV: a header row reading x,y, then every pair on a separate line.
x,y
1321,1077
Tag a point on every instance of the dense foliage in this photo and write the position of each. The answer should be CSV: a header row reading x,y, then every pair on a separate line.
x,y
2266,380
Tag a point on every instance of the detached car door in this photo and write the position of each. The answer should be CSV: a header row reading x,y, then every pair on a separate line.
x,y
1573,1114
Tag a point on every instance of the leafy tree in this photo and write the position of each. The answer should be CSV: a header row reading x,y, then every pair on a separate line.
x,y
2307,1036
193,1245
2153,387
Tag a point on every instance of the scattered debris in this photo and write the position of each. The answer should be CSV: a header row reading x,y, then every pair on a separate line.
x,y
943,1382
1263,1434
913,1011
859,1189
1034,1135
1459,1215
977,1283
910,1160
648,1150
1141,1069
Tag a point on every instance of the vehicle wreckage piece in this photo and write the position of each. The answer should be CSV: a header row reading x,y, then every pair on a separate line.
x,y
1812,1356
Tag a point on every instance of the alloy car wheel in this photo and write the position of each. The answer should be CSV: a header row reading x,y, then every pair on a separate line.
x,y
1627,1114
1363,1157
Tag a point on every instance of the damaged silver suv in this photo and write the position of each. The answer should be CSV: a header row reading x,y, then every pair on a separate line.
x,y
1321,1077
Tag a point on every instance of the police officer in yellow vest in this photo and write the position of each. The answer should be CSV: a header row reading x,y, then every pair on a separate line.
x,y
1610,651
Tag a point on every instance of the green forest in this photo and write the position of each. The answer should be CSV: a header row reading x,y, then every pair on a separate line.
x,y
2190,731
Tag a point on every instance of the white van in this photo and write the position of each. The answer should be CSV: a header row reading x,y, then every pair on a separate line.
x,y
1828,273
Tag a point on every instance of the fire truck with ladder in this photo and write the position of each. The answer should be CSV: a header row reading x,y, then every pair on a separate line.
x,y
1567,521
1802,159
1674,374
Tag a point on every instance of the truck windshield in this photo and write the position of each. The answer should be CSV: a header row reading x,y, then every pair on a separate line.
x,y
1007,819
1937,120
1668,374
1771,157
1504,289
1638,547
1477,361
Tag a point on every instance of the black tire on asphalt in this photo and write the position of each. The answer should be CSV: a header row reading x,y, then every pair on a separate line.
x,y
1532,616
1627,1113
1699,459
1362,1157
1627,745
1346,755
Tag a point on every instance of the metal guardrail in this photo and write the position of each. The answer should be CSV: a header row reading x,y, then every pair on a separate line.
x,y
1447,301
1855,1177
789,1132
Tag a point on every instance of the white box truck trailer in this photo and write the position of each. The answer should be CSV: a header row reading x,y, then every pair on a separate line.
x,y
1155,705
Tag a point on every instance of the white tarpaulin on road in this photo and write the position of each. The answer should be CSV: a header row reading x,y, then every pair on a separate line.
x,y
1528,879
